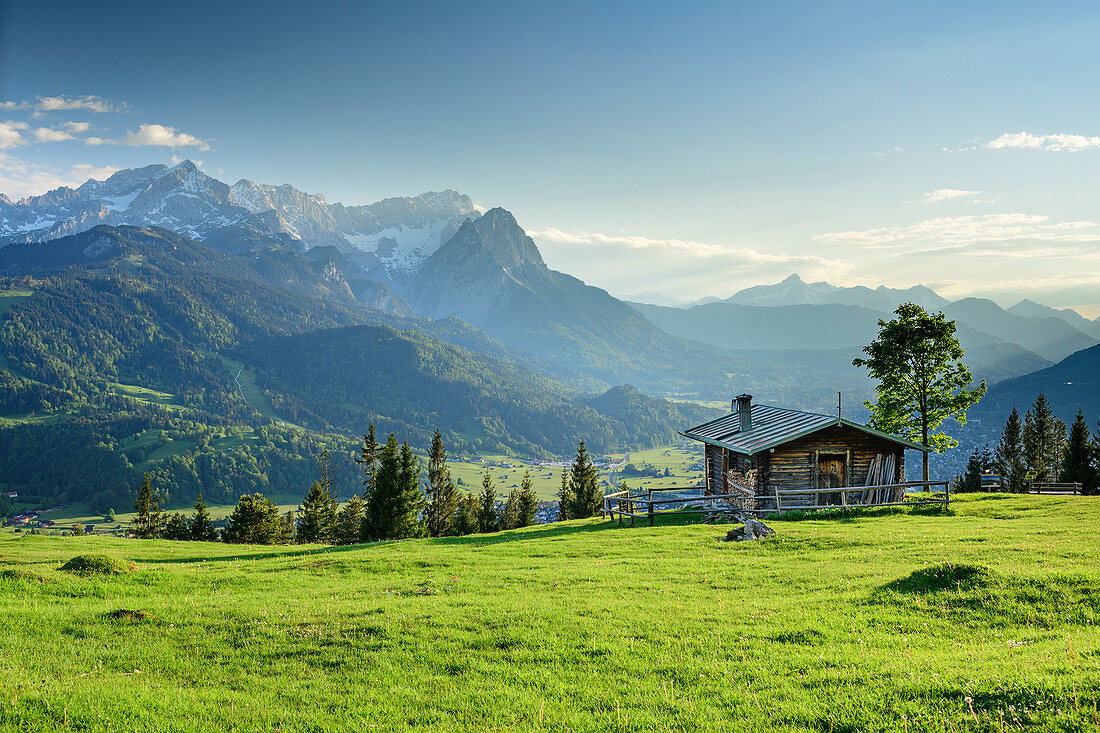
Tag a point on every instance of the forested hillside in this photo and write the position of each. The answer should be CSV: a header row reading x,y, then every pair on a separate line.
x,y
137,349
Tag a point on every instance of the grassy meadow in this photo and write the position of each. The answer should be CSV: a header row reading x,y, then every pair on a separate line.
x,y
979,619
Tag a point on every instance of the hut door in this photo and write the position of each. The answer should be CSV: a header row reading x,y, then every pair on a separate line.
x,y
832,472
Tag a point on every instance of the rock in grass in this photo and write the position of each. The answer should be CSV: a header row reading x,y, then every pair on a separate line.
x,y
97,565
753,530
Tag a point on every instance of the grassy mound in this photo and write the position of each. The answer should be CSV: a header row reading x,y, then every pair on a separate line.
x,y
95,564
980,597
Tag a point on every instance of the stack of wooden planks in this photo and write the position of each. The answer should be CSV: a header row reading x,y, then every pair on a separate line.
x,y
881,473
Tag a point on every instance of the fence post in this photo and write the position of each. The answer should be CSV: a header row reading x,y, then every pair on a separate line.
x,y
778,506
651,507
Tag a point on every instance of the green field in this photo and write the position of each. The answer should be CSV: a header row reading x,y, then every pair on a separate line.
x,y
676,459
981,619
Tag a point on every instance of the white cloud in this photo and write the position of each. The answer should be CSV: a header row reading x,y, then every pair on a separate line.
x,y
51,135
956,232
10,135
946,194
153,135
88,102
19,178
672,246
76,127
1054,142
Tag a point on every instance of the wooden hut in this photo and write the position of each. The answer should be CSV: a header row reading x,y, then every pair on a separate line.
x,y
764,451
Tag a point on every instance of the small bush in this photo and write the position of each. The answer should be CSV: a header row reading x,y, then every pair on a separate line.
x,y
96,565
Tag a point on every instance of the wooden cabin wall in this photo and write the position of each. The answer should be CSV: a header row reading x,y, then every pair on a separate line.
x,y
792,466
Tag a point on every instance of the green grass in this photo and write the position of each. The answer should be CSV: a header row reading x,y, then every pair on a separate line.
x,y
676,459
981,619
545,480
252,393
144,394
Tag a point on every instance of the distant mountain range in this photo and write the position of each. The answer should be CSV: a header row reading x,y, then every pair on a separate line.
x,y
172,266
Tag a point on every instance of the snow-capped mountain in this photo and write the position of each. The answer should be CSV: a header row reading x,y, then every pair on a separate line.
x,y
388,239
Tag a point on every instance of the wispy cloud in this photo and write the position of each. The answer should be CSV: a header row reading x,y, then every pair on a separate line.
x,y
18,178
87,103
1055,142
672,246
153,135
76,128
954,232
946,194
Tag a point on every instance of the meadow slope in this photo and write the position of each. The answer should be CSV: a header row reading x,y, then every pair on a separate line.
x,y
981,619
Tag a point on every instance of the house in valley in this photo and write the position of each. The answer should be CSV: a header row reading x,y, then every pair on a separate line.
x,y
788,459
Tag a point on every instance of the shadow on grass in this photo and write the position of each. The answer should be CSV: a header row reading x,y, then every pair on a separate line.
x,y
541,532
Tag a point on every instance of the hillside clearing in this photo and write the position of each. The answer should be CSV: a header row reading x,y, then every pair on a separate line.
x,y
981,619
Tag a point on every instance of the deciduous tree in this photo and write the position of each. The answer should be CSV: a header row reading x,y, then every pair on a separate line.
x,y
254,521
917,360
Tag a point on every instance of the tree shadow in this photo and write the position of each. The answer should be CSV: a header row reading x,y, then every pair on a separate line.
x,y
541,531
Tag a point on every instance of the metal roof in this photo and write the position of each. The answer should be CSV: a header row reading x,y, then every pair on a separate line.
x,y
774,426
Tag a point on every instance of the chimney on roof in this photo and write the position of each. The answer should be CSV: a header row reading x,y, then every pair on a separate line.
x,y
742,405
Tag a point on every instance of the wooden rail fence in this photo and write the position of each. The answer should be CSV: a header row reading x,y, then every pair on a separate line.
x,y
624,504
1047,487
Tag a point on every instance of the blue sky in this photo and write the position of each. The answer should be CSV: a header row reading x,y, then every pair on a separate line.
x,y
687,149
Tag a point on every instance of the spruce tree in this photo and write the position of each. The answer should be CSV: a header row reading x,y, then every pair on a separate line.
x,y
383,484
466,517
565,496
487,506
1009,456
410,499
528,501
317,512
585,486
289,531
510,518
149,522
254,521
368,459
349,522
201,527
1044,436
1077,458
442,494
176,528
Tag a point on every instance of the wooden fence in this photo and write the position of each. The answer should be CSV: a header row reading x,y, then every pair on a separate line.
x,y
643,506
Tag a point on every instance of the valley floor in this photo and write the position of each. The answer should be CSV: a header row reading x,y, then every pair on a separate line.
x,y
983,618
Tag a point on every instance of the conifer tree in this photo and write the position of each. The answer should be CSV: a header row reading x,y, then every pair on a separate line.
x,y
1009,456
528,502
510,518
383,485
466,517
349,522
487,506
980,462
442,494
176,528
317,512
254,521
289,531
1044,437
1077,458
565,496
201,528
585,487
410,499
149,522
394,505
368,459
